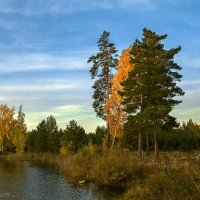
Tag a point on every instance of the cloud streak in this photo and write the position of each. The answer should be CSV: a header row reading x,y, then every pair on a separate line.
x,y
40,62
189,61
40,87
32,7
190,82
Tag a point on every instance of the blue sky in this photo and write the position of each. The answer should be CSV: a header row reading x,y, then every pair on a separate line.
x,y
45,44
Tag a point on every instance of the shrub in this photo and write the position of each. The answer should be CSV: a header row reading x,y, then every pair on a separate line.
x,y
113,166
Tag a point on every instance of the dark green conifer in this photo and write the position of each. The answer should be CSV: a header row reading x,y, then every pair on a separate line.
x,y
151,86
102,65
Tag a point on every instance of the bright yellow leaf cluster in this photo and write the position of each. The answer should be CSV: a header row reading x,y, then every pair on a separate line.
x,y
117,116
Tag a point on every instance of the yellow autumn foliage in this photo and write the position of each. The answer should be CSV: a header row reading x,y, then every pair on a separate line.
x,y
117,116
6,124
12,130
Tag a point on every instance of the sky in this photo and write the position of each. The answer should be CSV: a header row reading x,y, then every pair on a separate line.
x,y
45,45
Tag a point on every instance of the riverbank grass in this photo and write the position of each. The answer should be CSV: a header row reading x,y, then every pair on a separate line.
x,y
176,175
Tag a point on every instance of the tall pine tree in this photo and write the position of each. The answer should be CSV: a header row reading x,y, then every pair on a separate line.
x,y
151,87
102,65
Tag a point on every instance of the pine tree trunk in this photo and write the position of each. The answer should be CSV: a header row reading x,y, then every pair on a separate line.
x,y
108,108
140,133
156,140
140,146
1,149
156,145
108,136
147,144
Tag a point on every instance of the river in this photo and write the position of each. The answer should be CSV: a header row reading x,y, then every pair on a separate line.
x,y
22,180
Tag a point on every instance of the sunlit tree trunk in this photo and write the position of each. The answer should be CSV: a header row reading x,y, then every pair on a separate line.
x,y
140,132
140,146
156,141
147,144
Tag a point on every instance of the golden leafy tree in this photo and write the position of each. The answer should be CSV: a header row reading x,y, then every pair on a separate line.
x,y
6,125
19,132
12,130
117,116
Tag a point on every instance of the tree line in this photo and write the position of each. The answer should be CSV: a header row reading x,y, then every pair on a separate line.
x,y
48,137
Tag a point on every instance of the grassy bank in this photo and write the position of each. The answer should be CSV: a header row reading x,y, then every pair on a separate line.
x,y
175,176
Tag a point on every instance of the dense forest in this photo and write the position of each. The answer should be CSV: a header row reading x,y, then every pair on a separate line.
x,y
133,94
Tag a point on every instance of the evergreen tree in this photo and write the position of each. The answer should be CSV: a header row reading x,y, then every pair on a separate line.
x,y
74,137
150,88
102,65
41,138
20,130
46,138
97,137
53,135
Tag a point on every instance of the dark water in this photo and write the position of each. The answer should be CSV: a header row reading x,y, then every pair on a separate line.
x,y
30,181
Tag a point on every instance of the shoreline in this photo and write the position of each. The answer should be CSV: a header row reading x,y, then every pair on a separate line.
x,y
177,175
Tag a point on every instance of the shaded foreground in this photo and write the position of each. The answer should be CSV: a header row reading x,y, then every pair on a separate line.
x,y
175,176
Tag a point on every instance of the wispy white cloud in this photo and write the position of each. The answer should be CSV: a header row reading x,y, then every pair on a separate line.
x,y
191,61
40,62
38,87
190,99
7,24
69,108
31,7
6,6
190,82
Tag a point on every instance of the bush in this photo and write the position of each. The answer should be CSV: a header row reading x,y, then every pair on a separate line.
x,y
113,166
166,183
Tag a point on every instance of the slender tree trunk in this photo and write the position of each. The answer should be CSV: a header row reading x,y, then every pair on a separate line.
x,y
156,140
1,148
140,146
147,144
113,142
108,107
108,136
140,133
156,145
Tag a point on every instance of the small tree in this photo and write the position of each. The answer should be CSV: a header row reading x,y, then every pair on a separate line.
x,y
53,135
20,131
46,137
7,124
41,137
74,137
117,116
102,65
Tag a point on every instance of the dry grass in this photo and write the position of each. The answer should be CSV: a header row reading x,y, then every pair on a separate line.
x,y
175,176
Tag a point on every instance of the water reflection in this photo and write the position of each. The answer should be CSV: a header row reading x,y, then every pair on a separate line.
x,y
30,181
